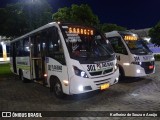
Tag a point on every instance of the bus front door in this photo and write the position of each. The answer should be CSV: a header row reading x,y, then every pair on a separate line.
x,y
38,59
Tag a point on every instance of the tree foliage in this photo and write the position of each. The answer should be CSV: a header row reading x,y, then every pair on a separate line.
x,y
154,33
14,23
81,14
22,17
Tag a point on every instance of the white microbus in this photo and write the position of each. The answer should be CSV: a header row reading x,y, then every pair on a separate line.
x,y
68,58
134,57
4,51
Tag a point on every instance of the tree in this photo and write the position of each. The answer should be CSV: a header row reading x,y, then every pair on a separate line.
x,y
37,13
81,14
15,22
3,18
22,17
154,33
106,27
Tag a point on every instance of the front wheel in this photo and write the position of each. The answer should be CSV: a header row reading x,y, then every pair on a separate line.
x,y
21,77
56,87
121,75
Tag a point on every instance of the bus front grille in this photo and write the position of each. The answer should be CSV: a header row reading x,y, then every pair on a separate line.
x,y
95,73
101,82
101,72
108,71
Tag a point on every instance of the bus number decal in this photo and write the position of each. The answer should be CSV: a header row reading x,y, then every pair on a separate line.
x,y
99,66
136,58
91,68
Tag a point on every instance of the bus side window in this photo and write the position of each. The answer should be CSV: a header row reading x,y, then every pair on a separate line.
x,y
1,50
118,45
36,45
26,47
19,47
8,50
55,46
53,41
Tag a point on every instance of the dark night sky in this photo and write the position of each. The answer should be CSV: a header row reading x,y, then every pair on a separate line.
x,y
132,14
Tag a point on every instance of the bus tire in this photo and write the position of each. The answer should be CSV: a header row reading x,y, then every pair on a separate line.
x,y
21,77
56,87
121,73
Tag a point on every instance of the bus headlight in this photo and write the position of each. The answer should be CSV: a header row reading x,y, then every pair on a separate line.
x,y
79,72
152,58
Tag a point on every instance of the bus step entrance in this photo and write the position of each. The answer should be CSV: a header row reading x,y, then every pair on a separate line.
x,y
42,82
38,69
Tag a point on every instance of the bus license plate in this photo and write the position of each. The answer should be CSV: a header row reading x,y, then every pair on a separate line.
x,y
104,86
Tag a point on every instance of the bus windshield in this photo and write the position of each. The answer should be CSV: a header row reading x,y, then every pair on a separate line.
x,y
136,45
85,43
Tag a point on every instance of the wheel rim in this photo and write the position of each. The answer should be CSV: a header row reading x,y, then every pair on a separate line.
x,y
58,89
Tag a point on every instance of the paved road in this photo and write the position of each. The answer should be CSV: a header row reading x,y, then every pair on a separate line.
x,y
141,94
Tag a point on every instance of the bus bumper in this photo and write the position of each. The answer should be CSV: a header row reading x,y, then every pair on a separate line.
x,y
82,85
138,71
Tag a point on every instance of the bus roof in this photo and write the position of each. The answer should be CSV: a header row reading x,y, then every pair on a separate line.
x,y
117,33
47,26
